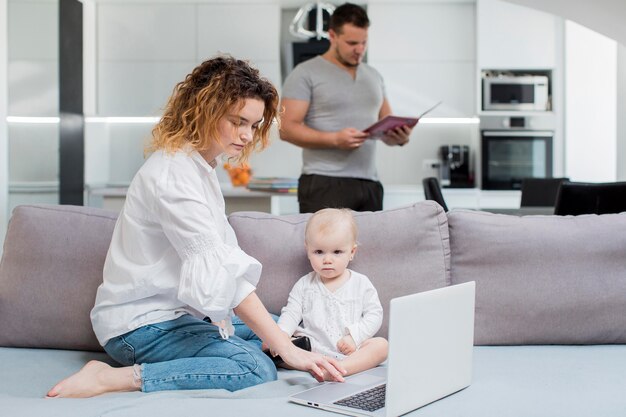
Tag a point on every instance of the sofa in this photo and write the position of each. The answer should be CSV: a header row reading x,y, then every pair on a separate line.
x,y
550,319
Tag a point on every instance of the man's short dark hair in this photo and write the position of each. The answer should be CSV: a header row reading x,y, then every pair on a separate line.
x,y
348,13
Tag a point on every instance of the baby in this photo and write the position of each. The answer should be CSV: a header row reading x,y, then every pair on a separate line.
x,y
336,308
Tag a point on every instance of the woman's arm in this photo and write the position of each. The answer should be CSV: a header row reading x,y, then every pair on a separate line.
x,y
252,311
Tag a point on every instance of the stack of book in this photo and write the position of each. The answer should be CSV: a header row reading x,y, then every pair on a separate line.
x,y
274,184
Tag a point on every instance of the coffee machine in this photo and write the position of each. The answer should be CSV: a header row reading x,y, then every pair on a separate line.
x,y
454,167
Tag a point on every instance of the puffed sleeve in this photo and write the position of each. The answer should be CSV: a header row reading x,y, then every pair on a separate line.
x,y
216,275
372,317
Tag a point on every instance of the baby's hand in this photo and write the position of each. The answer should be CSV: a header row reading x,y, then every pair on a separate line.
x,y
346,345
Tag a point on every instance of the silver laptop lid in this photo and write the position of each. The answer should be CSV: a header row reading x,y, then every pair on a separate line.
x,y
431,338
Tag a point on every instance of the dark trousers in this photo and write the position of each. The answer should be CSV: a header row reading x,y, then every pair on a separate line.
x,y
316,192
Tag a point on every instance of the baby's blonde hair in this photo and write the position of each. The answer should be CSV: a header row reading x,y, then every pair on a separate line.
x,y
328,219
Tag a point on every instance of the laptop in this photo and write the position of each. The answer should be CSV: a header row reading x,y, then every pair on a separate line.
x,y
431,338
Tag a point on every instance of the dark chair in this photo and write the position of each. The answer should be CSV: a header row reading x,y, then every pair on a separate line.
x,y
432,191
590,198
540,192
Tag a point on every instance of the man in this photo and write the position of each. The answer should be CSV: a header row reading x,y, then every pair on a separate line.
x,y
328,101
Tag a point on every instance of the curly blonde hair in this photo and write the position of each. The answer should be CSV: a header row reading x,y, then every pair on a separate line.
x,y
204,97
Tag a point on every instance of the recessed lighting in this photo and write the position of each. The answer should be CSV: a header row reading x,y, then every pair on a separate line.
x,y
28,119
450,120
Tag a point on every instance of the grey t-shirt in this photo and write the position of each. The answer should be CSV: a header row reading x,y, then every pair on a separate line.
x,y
337,101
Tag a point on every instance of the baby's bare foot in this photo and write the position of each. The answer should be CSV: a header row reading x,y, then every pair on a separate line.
x,y
93,379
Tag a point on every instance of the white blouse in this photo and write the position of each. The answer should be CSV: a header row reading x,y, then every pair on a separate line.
x,y
325,317
173,251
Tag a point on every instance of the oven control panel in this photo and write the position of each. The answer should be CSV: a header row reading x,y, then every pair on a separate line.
x,y
525,122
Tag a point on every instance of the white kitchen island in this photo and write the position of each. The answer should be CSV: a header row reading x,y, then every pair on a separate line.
x,y
241,199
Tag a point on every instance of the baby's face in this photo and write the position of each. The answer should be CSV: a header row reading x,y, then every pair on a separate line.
x,y
330,252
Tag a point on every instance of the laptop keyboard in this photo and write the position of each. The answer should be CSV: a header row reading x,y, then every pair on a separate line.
x,y
370,400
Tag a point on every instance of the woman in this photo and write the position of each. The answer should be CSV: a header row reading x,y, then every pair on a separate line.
x,y
174,259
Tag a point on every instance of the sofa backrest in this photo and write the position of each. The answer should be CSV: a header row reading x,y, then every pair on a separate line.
x,y
539,279
543,279
51,267
53,258
402,251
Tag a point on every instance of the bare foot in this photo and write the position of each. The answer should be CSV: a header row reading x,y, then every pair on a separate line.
x,y
94,378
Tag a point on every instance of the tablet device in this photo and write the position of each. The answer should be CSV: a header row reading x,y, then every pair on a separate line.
x,y
389,122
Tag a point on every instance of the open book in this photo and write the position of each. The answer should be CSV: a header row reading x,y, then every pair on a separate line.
x,y
378,129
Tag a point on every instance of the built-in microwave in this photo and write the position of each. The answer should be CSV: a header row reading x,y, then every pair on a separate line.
x,y
516,93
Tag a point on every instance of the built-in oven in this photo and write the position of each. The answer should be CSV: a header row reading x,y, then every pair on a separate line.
x,y
511,150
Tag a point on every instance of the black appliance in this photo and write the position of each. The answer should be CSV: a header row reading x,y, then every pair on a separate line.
x,y
303,51
454,166
514,148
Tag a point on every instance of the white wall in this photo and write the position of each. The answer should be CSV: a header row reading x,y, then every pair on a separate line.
x,y
29,87
515,37
426,52
143,49
590,105
33,91
621,113
4,151
136,72
604,16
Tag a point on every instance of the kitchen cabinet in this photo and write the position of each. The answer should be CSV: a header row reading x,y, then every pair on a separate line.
x,y
426,53
515,37
144,48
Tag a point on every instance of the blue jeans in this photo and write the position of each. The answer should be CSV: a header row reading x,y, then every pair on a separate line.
x,y
189,353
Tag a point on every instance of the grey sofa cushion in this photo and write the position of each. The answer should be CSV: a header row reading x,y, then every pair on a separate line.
x,y
543,279
50,270
402,251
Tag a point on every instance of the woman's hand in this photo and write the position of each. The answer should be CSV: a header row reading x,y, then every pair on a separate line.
x,y
319,366
254,314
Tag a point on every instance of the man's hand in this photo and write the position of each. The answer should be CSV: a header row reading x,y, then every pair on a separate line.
x,y
346,345
349,138
398,136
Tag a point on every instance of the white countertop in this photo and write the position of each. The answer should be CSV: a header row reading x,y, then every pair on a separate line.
x,y
395,196
227,190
